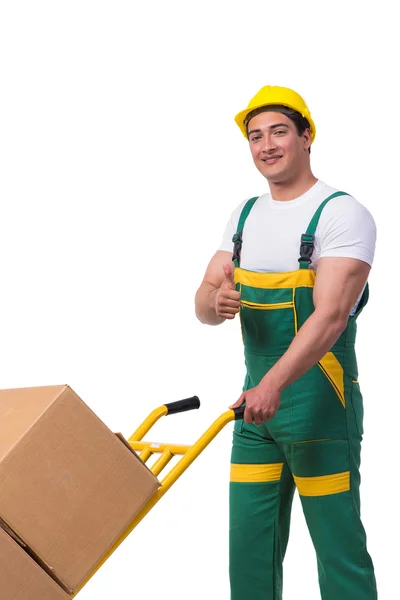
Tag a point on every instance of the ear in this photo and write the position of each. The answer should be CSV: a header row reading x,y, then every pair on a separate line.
x,y
307,139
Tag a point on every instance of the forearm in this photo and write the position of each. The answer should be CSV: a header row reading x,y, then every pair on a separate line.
x,y
314,339
205,305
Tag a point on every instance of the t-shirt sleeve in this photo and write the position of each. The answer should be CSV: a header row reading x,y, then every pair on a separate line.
x,y
346,229
230,229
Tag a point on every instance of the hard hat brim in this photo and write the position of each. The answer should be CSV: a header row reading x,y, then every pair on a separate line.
x,y
241,117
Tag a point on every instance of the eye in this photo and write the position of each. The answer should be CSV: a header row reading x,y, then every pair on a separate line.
x,y
280,131
255,138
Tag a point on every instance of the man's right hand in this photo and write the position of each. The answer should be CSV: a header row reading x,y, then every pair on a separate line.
x,y
227,299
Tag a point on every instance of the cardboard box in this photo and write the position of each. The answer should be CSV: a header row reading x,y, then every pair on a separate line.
x,y
68,486
21,578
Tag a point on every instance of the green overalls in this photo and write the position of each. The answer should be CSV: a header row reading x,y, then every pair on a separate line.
x,y
313,443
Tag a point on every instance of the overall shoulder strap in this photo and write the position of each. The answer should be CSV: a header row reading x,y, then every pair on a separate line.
x,y
307,239
237,238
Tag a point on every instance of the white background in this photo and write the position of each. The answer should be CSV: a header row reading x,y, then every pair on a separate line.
x,y
120,163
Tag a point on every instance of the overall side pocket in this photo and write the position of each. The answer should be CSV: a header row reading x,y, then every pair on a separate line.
x,y
357,406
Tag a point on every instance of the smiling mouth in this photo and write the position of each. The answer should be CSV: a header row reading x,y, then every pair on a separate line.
x,y
271,160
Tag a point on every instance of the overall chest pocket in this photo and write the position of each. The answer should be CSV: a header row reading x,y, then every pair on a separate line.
x,y
268,318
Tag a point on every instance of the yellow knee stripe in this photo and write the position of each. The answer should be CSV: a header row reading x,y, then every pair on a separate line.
x,y
323,485
256,473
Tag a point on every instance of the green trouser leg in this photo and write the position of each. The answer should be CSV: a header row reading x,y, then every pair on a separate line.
x,y
260,507
344,566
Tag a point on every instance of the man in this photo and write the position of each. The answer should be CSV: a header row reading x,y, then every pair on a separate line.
x,y
294,263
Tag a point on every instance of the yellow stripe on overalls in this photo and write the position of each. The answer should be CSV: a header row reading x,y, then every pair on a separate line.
x,y
256,473
334,372
325,485
291,279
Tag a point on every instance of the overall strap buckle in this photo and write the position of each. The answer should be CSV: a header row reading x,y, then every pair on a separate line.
x,y
306,247
237,246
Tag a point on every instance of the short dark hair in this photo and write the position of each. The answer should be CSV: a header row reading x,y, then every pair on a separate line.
x,y
300,122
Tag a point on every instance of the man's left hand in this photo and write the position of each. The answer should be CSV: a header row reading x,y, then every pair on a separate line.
x,y
262,402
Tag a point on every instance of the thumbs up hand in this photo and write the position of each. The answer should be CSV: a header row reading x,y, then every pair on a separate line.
x,y
227,300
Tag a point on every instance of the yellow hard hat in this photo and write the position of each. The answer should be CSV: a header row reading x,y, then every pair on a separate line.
x,y
272,95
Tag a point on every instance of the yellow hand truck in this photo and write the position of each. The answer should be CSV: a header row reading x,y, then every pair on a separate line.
x,y
167,452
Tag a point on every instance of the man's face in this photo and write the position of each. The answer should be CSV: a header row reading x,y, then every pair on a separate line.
x,y
278,151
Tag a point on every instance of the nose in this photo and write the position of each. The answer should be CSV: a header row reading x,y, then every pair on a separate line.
x,y
268,144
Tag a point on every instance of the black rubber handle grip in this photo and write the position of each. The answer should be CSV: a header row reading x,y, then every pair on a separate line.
x,y
183,405
239,412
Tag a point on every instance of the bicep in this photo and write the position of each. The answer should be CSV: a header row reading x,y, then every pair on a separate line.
x,y
214,274
338,284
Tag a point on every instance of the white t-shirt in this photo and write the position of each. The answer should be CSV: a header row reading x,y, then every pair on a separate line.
x,y
272,232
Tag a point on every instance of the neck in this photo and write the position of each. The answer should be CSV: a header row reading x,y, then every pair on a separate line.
x,y
293,188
